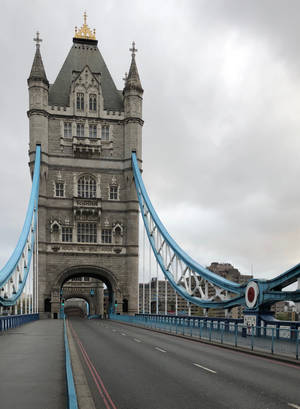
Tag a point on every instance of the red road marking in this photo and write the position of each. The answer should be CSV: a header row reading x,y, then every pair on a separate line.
x,y
94,373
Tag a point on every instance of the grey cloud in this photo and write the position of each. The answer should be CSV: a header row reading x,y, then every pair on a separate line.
x,y
221,103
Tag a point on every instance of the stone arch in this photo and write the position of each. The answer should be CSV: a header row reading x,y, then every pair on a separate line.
x,y
102,274
76,297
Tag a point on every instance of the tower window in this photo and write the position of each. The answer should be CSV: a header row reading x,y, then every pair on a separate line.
x,y
87,232
68,130
105,132
80,101
93,131
59,189
80,130
93,102
113,192
106,236
87,187
67,234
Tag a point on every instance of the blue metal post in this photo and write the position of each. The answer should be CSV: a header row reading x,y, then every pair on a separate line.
x,y
235,334
252,337
297,343
272,345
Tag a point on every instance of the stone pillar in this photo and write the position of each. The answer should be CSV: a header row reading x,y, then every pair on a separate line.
x,y
100,299
55,304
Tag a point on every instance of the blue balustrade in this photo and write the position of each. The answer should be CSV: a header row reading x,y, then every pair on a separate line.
x,y
13,321
233,332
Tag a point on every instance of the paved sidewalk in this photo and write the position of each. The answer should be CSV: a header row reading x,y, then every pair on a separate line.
x,y
32,366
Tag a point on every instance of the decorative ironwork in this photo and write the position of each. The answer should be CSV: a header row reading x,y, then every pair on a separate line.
x,y
14,274
197,284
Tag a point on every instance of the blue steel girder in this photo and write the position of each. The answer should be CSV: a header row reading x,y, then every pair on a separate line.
x,y
13,275
194,282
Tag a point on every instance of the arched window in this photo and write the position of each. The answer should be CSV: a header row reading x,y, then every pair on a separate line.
x,y
93,102
87,187
80,101
55,232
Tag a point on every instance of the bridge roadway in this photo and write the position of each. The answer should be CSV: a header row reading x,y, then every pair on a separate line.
x,y
133,368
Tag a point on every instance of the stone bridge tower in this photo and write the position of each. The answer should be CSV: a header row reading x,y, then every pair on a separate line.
x,y
88,209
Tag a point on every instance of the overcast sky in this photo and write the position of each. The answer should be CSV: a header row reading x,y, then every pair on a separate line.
x,y
221,138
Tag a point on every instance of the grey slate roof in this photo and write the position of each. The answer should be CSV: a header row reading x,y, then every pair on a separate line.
x,y
80,55
133,79
37,69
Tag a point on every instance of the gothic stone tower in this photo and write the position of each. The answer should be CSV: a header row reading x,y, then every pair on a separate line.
x,y
88,209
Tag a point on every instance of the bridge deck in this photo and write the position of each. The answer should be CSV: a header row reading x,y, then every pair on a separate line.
x,y
33,366
138,369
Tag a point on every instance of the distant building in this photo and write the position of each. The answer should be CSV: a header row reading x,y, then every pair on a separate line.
x,y
164,295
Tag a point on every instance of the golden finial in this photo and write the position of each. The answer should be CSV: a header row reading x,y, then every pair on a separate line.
x,y
85,32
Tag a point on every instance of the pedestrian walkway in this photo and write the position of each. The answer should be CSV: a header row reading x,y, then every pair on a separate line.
x,y
32,366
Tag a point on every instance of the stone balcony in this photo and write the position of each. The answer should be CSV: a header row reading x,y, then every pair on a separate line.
x,y
87,209
86,145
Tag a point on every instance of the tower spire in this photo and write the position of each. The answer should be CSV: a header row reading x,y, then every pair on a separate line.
x,y
133,79
38,71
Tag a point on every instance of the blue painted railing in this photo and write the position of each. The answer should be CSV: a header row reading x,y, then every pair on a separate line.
x,y
13,321
282,341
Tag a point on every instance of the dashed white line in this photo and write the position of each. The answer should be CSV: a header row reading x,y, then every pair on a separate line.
x,y
137,340
159,349
123,334
204,367
292,405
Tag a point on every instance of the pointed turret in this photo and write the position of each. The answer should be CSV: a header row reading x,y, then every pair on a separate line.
x,y
133,79
38,87
133,103
38,71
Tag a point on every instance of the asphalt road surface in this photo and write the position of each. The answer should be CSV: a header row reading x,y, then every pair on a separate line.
x,y
133,368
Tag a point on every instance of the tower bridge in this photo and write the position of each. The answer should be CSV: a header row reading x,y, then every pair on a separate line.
x,y
88,211
81,239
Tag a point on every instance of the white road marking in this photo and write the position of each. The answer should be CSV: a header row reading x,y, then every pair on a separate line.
x,y
292,405
123,334
203,367
137,340
159,349
114,330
